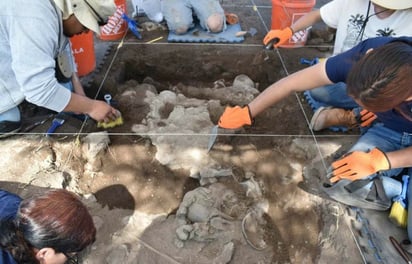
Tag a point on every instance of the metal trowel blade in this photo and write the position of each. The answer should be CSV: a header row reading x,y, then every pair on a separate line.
x,y
213,136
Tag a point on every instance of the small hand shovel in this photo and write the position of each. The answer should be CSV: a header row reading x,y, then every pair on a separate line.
x,y
252,31
263,54
213,136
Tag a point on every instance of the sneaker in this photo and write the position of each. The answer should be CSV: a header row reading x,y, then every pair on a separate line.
x,y
325,117
231,18
8,128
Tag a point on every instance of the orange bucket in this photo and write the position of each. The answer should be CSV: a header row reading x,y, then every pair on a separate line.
x,y
116,26
83,51
285,13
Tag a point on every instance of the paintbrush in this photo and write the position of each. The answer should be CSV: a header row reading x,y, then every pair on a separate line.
x,y
117,122
57,122
399,212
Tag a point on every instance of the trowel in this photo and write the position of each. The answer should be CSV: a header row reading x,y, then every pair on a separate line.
x,y
269,46
213,136
220,131
252,31
263,55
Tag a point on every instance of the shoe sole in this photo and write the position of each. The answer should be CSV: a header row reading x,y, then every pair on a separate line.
x,y
315,105
316,116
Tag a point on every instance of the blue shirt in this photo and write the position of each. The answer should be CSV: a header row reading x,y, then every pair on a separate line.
x,y
9,204
338,67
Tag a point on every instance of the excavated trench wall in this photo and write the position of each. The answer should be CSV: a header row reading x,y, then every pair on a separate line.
x,y
199,65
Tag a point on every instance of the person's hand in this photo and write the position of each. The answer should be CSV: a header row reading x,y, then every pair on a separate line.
x,y
357,165
367,118
281,35
235,117
101,111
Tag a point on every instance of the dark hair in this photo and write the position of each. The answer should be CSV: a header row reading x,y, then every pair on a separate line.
x,y
12,240
382,79
56,219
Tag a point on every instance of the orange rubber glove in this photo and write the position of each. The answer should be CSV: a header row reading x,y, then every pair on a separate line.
x,y
367,118
235,117
281,35
357,165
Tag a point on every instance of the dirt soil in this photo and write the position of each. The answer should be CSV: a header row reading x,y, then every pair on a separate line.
x,y
158,196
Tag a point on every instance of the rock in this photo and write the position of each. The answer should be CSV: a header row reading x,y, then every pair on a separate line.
x,y
226,254
118,255
94,145
242,82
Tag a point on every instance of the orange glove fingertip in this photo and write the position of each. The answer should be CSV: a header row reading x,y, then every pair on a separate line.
x,y
363,112
367,118
334,179
339,163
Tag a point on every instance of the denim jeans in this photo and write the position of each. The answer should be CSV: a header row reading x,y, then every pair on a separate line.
x,y
388,140
179,14
12,114
333,95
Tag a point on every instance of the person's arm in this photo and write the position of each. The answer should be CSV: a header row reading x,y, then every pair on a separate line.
x,y
96,109
306,21
305,79
32,46
282,35
77,85
359,164
309,78
400,158
332,70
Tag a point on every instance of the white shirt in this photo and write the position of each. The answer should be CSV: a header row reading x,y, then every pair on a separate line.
x,y
29,42
348,16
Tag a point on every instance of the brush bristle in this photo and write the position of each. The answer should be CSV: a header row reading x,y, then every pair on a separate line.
x,y
399,214
117,122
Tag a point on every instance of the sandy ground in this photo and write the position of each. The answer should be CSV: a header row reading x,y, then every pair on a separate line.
x,y
157,196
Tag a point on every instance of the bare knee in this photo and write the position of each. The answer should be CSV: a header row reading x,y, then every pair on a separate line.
x,y
215,23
